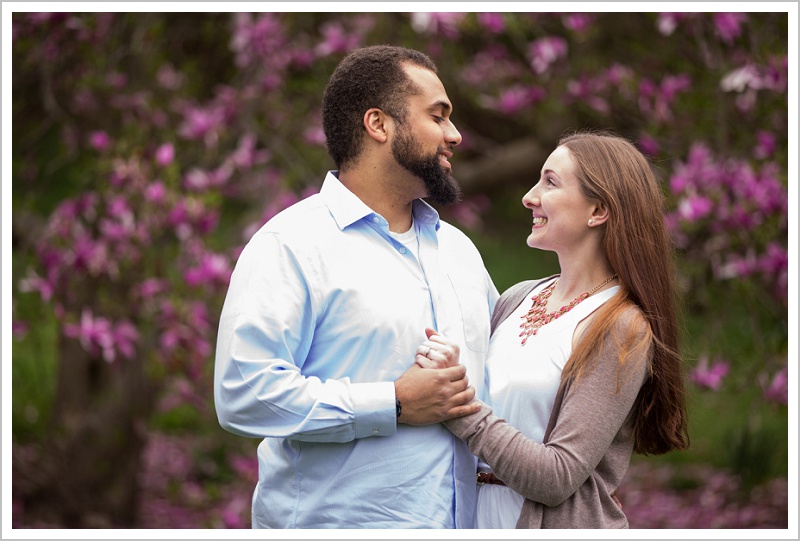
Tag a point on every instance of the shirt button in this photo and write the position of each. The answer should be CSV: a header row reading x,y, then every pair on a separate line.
x,y
376,431
376,219
401,250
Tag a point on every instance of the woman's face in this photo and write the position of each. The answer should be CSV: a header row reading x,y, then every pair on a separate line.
x,y
560,210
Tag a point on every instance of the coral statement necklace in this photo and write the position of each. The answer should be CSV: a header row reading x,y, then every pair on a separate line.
x,y
537,317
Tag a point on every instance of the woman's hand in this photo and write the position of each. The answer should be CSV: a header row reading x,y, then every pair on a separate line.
x,y
437,351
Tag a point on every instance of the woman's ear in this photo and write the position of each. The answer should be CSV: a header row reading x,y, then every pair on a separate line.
x,y
599,214
376,122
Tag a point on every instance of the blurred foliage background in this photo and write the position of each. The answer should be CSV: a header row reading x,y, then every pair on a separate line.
x,y
148,147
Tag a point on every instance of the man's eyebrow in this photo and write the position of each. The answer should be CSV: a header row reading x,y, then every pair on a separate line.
x,y
445,106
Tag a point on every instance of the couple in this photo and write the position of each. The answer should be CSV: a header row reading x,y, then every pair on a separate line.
x,y
355,336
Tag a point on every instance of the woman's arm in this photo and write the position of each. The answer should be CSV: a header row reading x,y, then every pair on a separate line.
x,y
592,412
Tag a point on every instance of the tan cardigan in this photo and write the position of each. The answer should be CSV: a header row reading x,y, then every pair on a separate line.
x,y
567,481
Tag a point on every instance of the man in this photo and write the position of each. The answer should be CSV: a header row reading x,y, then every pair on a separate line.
x,y
329,302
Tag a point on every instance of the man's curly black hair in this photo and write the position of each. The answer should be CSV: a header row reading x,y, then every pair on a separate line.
x,y
366,78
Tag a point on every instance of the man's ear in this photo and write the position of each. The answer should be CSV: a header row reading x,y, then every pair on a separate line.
x,y
377,123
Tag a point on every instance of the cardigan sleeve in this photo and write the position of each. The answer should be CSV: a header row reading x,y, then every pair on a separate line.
x,y
592,413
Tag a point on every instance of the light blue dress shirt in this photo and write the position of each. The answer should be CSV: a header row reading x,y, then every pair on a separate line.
x,y
324,311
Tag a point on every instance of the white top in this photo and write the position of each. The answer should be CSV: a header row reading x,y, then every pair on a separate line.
x,y
522,383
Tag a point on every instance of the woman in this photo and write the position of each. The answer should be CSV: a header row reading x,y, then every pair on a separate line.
x,y
583,368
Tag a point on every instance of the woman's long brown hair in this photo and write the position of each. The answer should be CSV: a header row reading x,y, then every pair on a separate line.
x,y
638,247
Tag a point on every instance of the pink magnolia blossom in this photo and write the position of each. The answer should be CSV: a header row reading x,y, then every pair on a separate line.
x,y
258,38
544,52
728,25
492,22
178,392
170,339
35,283
765,145
649,145
118,207
89,253
207,221
116,79
671,85
741,79
587,91
152,287
775,264
169,78
515,98
165,154
668,22
740,198
336,40
302,58
198,317
201,123
491,65
776,259
155,192
695,207
657,99
42,18
443,23
246,155
708,376
314,135
211,268
236,512
736,266
19,328
198,180
618,74
93,334
125,338
776,389
99,140
749,79
578,22
189,216
119,224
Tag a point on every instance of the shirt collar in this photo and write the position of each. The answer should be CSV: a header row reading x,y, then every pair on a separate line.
x,y
425,214
346,208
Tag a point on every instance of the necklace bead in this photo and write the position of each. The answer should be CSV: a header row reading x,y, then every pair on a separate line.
x,y
537,316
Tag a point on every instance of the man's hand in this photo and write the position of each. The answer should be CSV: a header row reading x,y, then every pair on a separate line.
x,y
433,395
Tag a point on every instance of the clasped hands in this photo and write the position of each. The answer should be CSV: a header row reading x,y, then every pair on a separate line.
x,y
435,388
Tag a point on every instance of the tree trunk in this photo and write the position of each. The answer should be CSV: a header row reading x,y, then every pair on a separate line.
x,y
97,438
513,163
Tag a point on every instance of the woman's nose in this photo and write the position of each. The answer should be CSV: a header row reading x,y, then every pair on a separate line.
x,y
530,199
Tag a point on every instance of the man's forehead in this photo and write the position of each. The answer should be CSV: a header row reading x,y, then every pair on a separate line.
x,y
430,88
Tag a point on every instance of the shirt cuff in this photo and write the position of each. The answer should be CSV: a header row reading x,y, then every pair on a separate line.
x,y
375,412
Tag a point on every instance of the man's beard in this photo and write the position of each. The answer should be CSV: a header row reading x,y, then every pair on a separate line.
x,y
442,188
